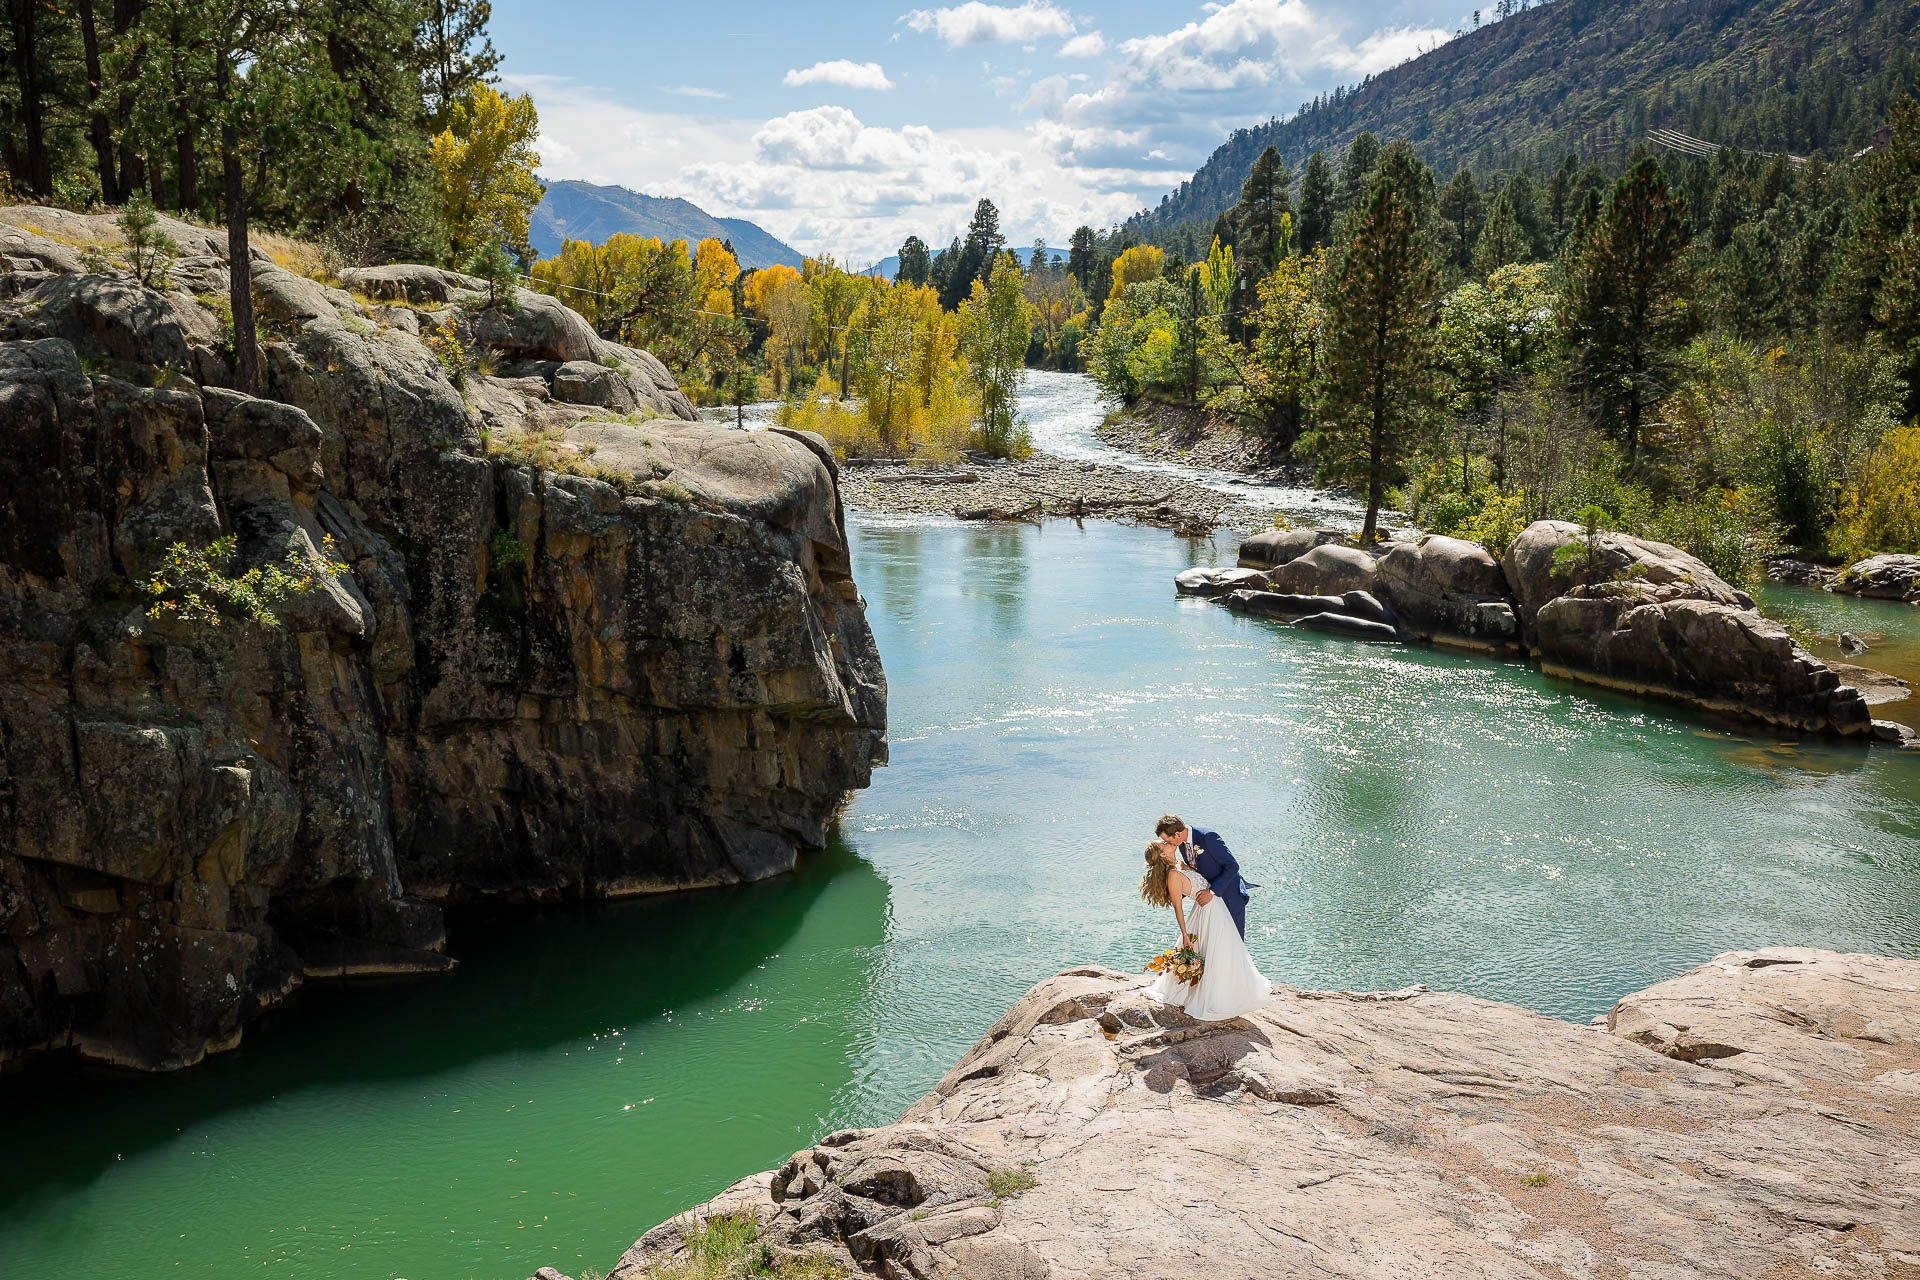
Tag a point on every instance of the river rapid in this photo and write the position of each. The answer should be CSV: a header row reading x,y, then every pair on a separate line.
x,y
1410,816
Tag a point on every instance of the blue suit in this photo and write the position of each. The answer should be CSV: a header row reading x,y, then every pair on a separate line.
x,y
1214,861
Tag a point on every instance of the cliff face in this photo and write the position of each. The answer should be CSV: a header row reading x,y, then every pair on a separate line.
x,y
1758,1116
640,665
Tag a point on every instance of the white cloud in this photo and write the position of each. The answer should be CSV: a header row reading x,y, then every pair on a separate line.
x,y
825,179
1174,94
977,23
848,75
1387,48
1090,149
692,91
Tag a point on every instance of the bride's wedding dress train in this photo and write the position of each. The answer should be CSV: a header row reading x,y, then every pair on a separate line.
x,y
1229,985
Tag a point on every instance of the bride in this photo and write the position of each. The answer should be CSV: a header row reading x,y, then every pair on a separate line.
x,y
1229,983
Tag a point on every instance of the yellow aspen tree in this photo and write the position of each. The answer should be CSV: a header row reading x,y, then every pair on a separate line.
x,y
484,162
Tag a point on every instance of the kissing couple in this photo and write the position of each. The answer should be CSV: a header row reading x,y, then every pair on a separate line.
x,y
1191,870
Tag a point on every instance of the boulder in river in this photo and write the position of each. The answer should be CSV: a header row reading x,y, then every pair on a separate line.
x,y
1218,582
1275,547
1882,577
1750,1118
1668,642
1450,591
1325,570
1536,573
1346,624
1280,604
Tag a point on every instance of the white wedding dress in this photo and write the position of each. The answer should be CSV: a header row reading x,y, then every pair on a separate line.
x,y
1229,984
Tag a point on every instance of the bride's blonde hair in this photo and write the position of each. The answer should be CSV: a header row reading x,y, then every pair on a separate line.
x,y
1153,885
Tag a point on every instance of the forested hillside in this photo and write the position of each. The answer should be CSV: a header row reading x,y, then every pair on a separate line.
x,y
1593,77
585,211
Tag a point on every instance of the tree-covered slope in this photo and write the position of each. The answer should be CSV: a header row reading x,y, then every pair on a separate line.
x,y
584,211
1593,77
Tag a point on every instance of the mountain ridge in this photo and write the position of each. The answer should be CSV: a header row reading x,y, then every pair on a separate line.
x,y
577,210
1594,77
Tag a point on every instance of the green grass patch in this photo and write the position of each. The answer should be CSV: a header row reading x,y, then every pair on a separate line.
x,y
729,1247
1005,1184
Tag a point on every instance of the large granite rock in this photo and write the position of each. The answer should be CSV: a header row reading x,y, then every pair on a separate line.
x,y
1665,642
641,668
1274,547
1536,572
1326,570
1759,1116
1449,591
1882,577
1648,618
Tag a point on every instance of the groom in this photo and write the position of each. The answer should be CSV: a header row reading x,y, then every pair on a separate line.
x,y
1210,857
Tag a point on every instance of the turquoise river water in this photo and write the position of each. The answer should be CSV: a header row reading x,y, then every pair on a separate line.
x,y
1412,816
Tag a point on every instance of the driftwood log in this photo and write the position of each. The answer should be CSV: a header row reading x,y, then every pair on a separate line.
x,y
928,477
1031,513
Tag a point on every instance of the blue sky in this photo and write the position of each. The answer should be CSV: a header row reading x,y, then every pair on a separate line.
x,y
843,128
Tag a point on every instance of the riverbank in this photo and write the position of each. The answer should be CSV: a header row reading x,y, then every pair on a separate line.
x,y
1193,437
1757,1115
1042,486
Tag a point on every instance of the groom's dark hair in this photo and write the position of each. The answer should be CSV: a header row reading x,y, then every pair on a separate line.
x,y
1168,825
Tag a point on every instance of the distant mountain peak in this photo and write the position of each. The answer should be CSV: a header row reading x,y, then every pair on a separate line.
x,y
576,210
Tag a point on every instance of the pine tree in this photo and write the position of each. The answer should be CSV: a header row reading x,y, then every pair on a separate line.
x,y
1747,281
915,263
1083,258
265,88
1626,302
1461,213
1356,175
1502,242
1379,352
455,54
1876,278
1265,206
1412,178
1316,202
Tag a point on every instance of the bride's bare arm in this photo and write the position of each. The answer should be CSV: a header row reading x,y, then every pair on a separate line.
x,y
1179,891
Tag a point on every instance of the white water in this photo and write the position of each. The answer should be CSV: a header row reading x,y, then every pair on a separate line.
x,y
1062,410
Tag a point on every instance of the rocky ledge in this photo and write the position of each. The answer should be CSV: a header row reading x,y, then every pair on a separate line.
x,y
583,646
1759,1116
1622,612
1882,577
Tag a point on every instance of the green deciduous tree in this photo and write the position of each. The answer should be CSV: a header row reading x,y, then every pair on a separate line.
x,y
1491,337
993,340
1280,376
1379,351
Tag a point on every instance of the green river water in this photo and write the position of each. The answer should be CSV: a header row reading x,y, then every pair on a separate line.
x,y
1412,817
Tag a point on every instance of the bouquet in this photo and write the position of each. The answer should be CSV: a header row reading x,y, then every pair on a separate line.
x,y
1184,963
